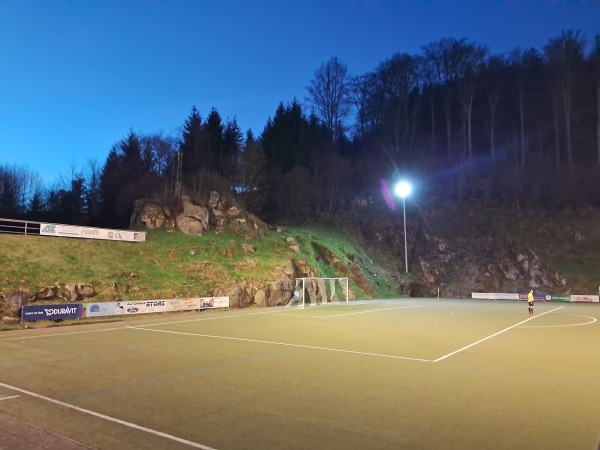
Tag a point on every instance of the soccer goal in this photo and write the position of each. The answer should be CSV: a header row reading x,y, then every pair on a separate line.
x,y
314,291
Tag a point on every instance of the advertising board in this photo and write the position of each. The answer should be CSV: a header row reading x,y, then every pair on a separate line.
x,y
52,229
51,312
585,298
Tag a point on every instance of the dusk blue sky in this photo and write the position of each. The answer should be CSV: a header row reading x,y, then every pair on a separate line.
x,y
77,75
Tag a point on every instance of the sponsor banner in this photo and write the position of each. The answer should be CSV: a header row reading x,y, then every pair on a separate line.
x,y
100,309
183,304
52,312
585,298
214,302
142,307
506,296
558,298
52,229
495,296
536,297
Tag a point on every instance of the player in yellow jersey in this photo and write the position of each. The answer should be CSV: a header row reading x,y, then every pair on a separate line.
x,y
530,301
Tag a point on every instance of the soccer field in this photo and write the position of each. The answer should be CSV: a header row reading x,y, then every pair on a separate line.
x,y
386,374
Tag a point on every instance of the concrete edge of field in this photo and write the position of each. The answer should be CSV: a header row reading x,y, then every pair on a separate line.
x,y
17,435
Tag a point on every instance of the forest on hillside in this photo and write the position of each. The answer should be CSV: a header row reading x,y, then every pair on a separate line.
x,y
460,122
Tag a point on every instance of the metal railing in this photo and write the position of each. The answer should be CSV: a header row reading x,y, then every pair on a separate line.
x,y
13,226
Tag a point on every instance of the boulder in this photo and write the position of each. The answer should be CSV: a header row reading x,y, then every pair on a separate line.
x,y
86,290
239,297
10,320
199,213
213,200
16,300
147,213
234,212
260,298
189,225
70,294
46,294
280,292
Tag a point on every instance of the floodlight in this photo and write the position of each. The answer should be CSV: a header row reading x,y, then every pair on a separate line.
x,y
403,189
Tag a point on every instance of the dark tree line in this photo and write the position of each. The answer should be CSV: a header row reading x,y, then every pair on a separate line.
x,y
520,127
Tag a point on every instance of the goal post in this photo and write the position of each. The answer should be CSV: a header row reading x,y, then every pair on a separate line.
x,y
314,291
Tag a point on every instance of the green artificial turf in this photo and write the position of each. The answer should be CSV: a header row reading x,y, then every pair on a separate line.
x,y
406,374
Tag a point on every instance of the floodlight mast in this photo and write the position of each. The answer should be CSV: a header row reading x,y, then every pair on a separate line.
x,y
402,190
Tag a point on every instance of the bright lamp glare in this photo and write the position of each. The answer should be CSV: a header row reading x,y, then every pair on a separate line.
x,y
402,189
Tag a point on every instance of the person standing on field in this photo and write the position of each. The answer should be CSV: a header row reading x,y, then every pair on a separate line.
x,y
530,301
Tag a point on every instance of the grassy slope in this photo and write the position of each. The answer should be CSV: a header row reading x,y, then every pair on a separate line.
x,y
164,267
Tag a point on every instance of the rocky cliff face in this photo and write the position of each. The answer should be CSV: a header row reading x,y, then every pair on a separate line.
x,y
489,249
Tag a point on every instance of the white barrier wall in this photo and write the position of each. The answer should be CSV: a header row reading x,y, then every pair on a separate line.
x,y
538,297
53,229
586,298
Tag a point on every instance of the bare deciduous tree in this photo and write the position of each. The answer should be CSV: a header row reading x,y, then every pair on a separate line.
x,y
328,94
565,55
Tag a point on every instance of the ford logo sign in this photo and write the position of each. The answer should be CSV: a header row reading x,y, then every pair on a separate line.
x,y
132,310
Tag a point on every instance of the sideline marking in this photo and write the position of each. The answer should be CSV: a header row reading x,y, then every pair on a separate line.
x,y
567,325
60,334
124,327
495,334
281,343
8,398
109,418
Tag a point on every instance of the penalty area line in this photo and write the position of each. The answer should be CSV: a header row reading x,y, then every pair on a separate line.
x,y
109,418
312,347
493,335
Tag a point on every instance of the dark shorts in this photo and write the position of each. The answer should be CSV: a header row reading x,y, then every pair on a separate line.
x,y
530,303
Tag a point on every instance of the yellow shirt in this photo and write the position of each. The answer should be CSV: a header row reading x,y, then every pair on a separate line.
x,y
530,297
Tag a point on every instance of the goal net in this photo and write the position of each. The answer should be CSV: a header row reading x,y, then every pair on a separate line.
x,y
314,291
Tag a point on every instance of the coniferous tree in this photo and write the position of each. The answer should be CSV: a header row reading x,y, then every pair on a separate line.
x,y
37,207
250,174
215,157
192,144
233,141
286,138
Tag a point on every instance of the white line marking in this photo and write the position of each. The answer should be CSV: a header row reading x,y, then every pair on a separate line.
x,y
493,335
8,398
280,343
200,319
61,334
566,325
121,328
369,311
111,419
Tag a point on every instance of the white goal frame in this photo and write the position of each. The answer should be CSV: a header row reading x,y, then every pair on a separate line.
x,y
320,291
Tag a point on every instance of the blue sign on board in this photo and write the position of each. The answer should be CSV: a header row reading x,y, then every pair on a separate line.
x,y
52,312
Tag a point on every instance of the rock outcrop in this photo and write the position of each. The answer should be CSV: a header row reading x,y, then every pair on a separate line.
x,y
193,216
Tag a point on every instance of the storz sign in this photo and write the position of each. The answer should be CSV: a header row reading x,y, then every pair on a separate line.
x,y
52,312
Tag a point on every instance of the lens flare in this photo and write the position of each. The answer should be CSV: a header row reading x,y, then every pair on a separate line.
x,y
387,196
